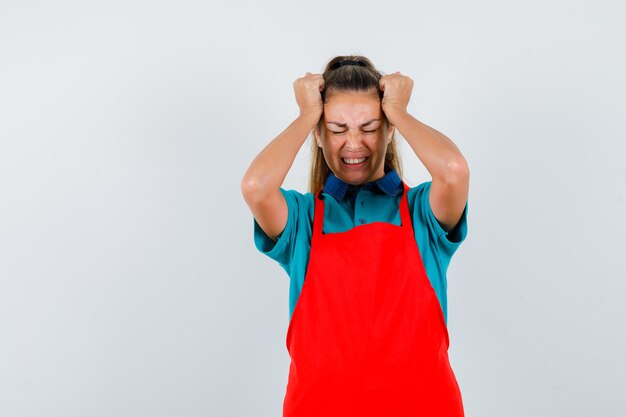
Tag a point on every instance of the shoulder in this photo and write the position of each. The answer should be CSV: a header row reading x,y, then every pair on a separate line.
x,y
297,230
422,215
416,196
300,204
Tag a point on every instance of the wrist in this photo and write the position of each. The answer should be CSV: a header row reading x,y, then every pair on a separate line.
x,y
309,118
394,114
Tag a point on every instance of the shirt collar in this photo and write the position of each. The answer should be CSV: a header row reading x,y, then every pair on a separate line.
x,y
389,184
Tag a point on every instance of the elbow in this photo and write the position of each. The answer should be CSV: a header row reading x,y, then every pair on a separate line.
x,y
249,186
253,189
459,167
457,170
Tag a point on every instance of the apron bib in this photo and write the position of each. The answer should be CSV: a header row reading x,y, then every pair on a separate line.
x,y
367,337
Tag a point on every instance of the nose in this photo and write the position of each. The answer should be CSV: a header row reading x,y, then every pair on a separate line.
x,y
353,140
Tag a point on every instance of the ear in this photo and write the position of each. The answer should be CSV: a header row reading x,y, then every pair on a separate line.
x,y
392,129
316,132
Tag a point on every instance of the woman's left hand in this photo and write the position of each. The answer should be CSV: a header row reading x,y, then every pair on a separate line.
x,y
397,90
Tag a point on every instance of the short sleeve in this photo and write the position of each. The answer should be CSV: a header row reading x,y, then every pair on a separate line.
x,y
447,242
299,217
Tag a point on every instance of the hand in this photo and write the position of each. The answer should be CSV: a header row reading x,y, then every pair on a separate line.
x,y
397,92
308,94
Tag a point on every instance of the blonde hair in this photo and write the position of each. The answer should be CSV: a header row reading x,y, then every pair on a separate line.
x,y
361,77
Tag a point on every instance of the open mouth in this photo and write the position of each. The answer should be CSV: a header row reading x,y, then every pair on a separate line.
x,y
354,161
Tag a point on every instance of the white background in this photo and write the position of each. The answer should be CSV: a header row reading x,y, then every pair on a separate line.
x,y
129,281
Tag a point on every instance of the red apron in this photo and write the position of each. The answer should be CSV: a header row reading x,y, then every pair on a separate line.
x,y
367,336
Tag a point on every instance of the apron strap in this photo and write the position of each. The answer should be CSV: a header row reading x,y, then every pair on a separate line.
x,y
405,216
318,214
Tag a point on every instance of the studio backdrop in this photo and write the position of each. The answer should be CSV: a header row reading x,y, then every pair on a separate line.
x,y
129,280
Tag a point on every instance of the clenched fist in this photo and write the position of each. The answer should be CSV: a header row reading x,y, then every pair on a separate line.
x,y
308,91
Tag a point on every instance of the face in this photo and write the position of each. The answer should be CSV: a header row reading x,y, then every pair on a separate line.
x,y
354,136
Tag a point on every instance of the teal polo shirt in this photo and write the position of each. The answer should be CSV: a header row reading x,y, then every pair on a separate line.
x,y
347,206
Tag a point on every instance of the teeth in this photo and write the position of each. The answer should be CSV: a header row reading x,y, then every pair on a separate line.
x,y
353,161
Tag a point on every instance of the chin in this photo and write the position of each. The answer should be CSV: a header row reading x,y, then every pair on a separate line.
x,y
355,176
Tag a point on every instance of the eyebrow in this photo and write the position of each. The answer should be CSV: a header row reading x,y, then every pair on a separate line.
x,y
345,124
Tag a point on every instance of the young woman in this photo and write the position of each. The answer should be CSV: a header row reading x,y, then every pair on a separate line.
x,y
366,254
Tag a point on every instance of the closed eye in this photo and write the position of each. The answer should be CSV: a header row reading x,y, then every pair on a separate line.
x,y
366,131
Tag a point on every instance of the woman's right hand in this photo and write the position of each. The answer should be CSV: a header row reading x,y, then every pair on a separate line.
x,y
308,94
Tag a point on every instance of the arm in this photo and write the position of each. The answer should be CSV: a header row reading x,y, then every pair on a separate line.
x,y
261,183
443,160
447,166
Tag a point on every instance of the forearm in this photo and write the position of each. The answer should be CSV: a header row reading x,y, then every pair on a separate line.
x,y
438,153
268,170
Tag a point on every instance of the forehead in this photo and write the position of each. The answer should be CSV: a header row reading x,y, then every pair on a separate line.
x,y
352,107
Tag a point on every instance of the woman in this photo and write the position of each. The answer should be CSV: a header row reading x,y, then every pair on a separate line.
x,y
366,254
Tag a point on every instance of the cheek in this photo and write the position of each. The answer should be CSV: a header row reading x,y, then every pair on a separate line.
x,y
383,150
378,143
333,143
